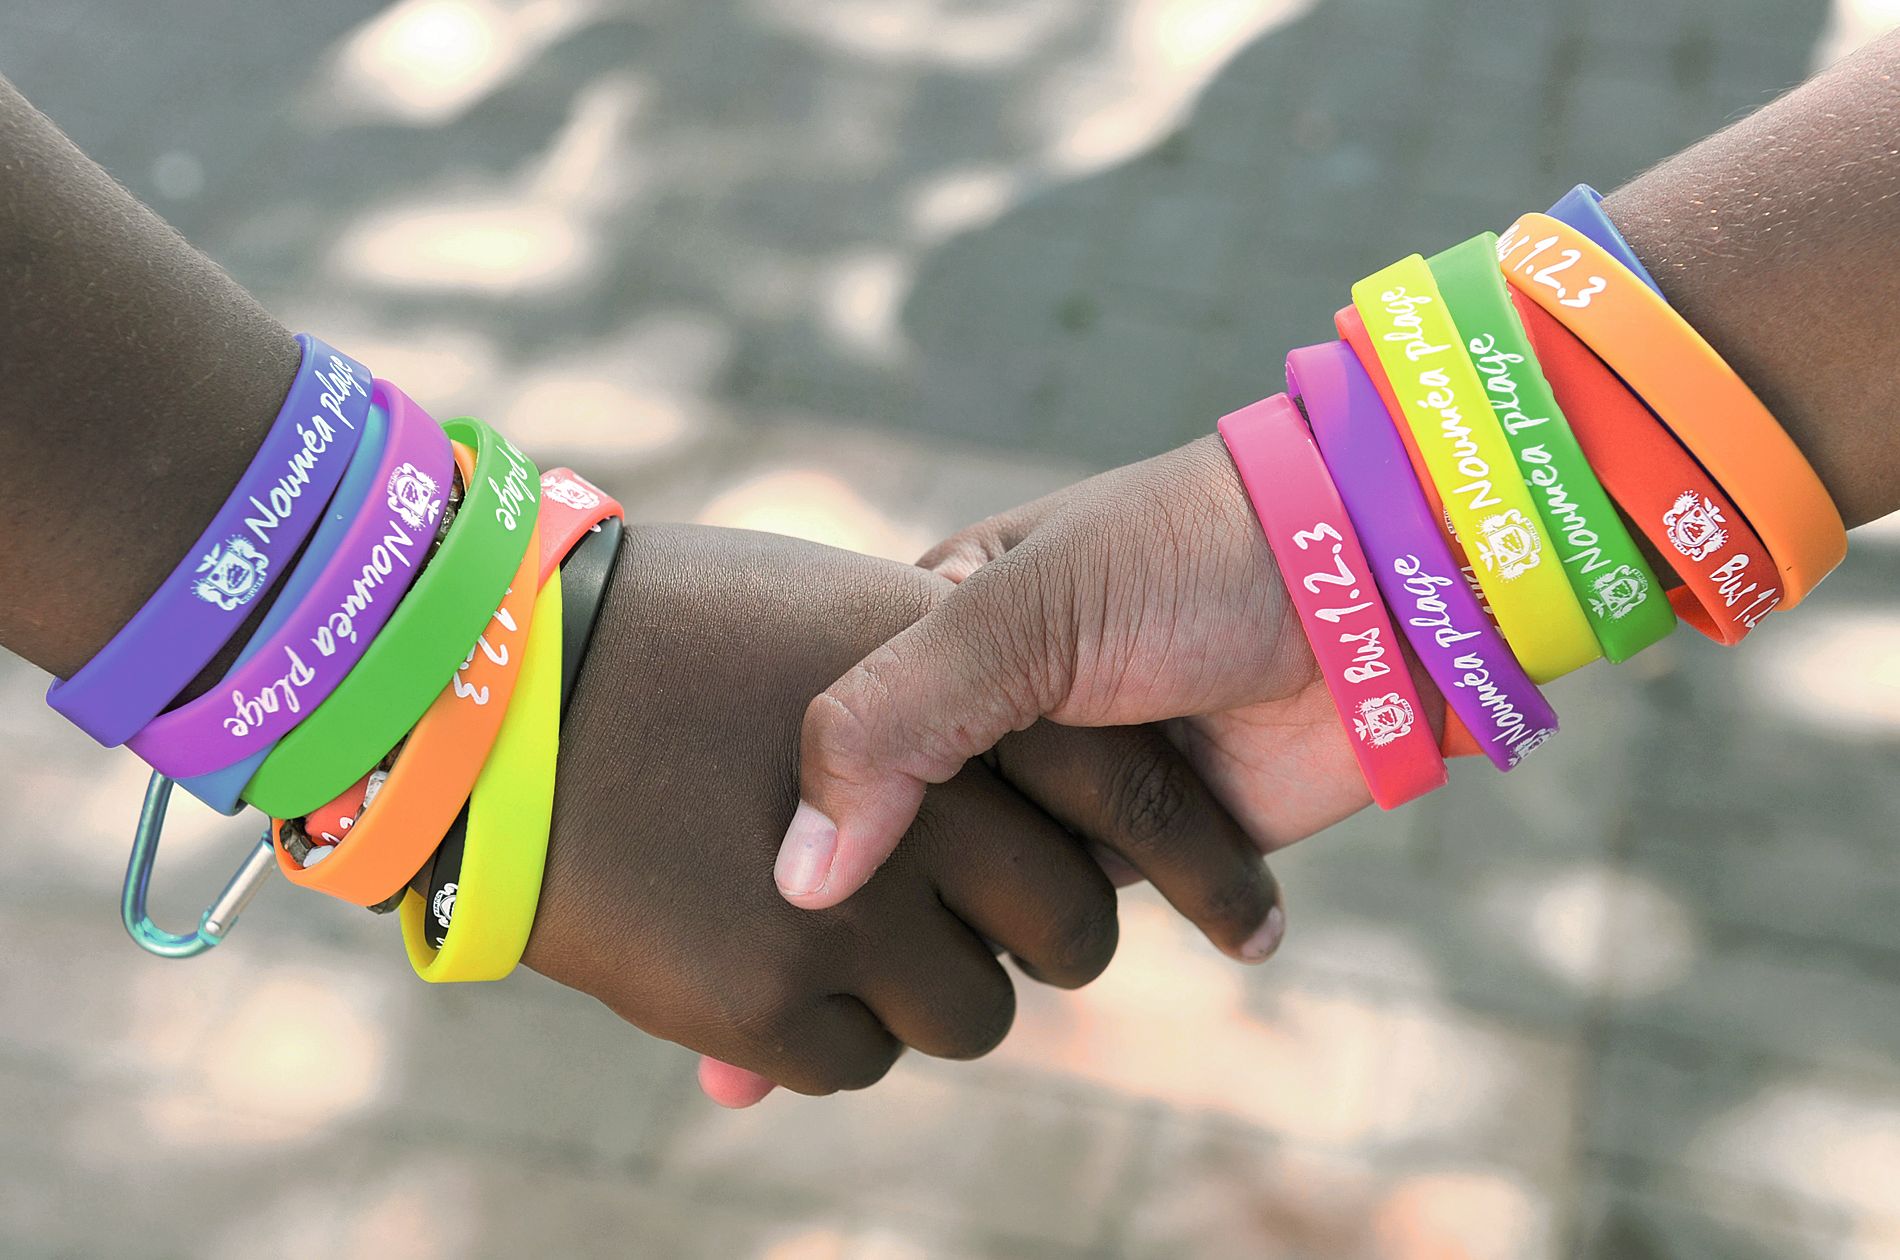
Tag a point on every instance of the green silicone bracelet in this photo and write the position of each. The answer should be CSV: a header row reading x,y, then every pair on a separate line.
x,y
1621,597
423,642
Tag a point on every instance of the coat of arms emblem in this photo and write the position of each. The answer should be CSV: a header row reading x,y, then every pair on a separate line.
x,y
1695,526
442,906
1382,719
570,492
1619,592
1509,543
231,573
412,496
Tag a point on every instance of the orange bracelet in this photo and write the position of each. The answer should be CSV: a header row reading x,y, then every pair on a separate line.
x,y
1706,405
435,771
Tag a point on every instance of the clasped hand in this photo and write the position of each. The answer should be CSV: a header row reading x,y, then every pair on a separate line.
x,y
1108,680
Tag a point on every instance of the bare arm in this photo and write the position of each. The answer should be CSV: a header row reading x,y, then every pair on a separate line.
x,y
1779,239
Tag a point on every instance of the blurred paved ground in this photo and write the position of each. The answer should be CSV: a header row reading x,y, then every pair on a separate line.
x,y
864,270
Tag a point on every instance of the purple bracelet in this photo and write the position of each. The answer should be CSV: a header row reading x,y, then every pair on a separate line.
x,y
1460,649
241,554
1582,208
259,701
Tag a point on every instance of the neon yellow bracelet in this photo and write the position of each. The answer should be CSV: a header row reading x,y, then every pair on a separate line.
x,y
508,815
1489,505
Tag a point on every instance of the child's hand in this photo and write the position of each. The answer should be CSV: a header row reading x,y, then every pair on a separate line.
x,y
1144,594
678,770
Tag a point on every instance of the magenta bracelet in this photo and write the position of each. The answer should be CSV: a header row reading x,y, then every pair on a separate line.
x,y
260,700
1462,652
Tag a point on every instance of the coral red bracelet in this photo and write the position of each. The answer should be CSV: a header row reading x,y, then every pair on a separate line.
x,y
1331,585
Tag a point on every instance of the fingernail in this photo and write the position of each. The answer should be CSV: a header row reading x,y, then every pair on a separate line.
x,y
804,859
1260,946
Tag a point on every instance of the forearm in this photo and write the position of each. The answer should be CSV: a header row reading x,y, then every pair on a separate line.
x,y
1779,239
136,382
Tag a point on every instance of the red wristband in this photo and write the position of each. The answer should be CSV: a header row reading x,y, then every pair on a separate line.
x,y
1330,583
1730,583
571,506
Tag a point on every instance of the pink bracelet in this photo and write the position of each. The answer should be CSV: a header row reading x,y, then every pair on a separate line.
x,y
1331,585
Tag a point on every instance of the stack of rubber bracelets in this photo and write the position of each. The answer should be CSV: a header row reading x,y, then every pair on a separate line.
x,y
1457,461
391,754
1464,456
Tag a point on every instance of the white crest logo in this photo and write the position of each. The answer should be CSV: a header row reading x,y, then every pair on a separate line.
x,y
1382,719
443,904
1695,526
1619,592
231,573
570,492
412,496
1510,544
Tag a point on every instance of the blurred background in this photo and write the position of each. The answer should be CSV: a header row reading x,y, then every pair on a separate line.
x,y
864,271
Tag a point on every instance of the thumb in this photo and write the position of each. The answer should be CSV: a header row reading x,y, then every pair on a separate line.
x,y
990,659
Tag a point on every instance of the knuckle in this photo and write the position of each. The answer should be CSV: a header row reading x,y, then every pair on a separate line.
x,y
1081,944
982,1025
1154,796
863,1070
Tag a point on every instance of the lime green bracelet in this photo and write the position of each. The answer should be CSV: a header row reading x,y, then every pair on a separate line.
x,y
1621,597
505,852
424,640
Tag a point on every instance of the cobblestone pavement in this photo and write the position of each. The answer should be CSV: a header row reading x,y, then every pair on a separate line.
x,y
864,270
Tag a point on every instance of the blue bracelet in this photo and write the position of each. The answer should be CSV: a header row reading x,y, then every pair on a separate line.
x,y
239,556
220,788
1582,208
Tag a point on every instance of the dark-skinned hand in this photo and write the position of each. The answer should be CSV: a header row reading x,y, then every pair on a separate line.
x,y
679,768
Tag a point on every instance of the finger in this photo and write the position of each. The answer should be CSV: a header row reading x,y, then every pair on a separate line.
x,y
1017,879
730,1086
988,660
966,1007
974,546
836,1044
1128,789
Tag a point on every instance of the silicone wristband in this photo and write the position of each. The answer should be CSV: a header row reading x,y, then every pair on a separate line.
x,y
1489,505
330,826
1582,208
1730,584
1330,583
240,555
586,574
1621,598
220,788
1685,382
420,646
1456,741
1482,682
508,816
445,881
571,505
435,770
322,636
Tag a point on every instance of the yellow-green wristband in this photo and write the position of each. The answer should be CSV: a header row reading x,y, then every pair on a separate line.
x,y
1486,499
499,886
1621,597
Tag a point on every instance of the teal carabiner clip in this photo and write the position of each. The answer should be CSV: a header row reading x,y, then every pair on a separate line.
x,y
222,914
